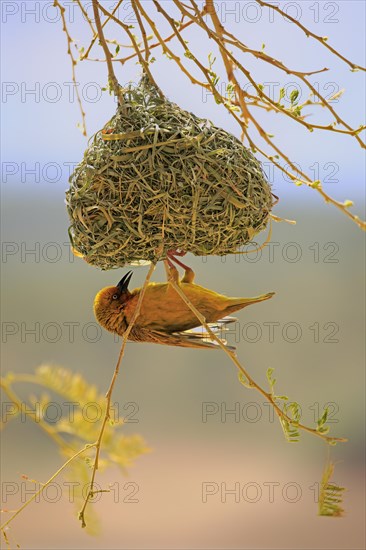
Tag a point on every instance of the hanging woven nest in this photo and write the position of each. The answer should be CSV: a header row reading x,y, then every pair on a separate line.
x,y
158,178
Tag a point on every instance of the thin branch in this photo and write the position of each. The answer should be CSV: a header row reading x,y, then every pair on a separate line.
x,y
181,27
113,82
268,396
262,56
87,18
85,55
98,443
220,42
143,31
243,99
327,198
40,491
321,39
306,180
135,45
229,66
165,48
57,4
229,60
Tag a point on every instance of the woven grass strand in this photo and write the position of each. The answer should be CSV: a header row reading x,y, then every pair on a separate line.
x,y
158,178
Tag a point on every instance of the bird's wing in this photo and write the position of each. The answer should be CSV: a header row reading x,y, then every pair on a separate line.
x,y
187,339
194,338
217,327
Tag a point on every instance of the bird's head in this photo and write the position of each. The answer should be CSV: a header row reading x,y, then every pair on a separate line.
x,y
110,301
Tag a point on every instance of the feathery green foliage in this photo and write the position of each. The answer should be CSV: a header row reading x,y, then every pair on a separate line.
x,y
290,429
75,428
331,495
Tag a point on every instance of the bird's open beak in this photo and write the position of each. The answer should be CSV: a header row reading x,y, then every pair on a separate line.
x,y
124,282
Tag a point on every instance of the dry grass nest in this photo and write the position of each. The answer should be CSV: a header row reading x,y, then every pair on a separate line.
x,y
158,178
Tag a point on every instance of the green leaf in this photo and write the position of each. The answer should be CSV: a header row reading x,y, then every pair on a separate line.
x,y
289,427
243,380
315,184
271,380
211,60
294,95
322,420
331,495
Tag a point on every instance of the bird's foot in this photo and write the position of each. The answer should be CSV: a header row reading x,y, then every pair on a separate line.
x,y
189,275
176,252
171,271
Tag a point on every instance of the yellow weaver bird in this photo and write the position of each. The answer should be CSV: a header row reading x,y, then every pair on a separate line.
x,y
164,318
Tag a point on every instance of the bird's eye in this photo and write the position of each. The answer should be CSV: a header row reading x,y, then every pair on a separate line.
x,y
115,296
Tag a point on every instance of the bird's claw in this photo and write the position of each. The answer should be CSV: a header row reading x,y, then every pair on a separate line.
x,y
173,274
189,275
171,271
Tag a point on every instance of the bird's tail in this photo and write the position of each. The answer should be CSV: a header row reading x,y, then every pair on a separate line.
x,y
255,300
234,304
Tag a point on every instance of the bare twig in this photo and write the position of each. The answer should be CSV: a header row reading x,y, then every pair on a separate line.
x,y
268,396
143,31
229,62
165,48
57,4
98,443
181,27
45,485
261,55
242,100
321,39
135,45
220,41
86,16
85,55
113,82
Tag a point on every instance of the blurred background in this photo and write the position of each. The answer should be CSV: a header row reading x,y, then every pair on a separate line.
x,y
214,478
